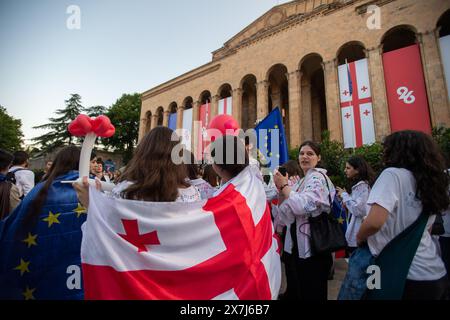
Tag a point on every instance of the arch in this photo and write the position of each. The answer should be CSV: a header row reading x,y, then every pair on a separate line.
x,y
249,99
279,93
205,97
173,107
148,121
187,102
160,116
399,37
443,24
225,91
314,108
351,51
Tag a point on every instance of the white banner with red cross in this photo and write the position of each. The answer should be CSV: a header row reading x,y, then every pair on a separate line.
x,y
224,248
356,104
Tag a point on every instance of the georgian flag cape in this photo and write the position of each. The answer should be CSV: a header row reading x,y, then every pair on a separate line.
x,y
223,248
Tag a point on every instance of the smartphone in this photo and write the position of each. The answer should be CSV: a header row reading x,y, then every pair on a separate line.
x,y
282,170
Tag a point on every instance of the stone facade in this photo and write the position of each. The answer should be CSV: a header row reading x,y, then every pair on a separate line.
x,y
289,56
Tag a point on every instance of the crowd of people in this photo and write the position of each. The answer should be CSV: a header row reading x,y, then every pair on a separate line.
x,y
413,184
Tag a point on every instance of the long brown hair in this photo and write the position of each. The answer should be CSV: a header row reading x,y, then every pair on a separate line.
x,y
154,175
65,161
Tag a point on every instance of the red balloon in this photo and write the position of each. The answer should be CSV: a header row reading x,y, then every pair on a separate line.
x,y
80,126
225,123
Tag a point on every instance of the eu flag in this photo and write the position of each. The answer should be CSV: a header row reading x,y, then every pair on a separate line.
x,y
272,139
41,260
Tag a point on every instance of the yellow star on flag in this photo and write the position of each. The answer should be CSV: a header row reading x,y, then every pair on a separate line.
x,y
52,218
28,293
266,137
270,154
23,267
276,127
30,240
265,145
340,220
80,210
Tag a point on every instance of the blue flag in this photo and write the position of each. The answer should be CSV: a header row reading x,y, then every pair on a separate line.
x,y
42,261
272,139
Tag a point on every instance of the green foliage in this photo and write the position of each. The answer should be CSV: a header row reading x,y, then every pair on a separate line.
x,y
373,154
95,111
293,153
442,137
332,155
124,115
59,135
10,132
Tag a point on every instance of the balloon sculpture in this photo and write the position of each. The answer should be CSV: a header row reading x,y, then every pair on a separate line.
x,y
90,128
225,124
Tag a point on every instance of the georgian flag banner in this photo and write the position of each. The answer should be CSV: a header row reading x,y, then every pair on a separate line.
x,y
220,249
226,106
405,89
356,104
204,118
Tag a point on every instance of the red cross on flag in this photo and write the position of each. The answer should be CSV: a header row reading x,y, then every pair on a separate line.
x,y
356,104
220,249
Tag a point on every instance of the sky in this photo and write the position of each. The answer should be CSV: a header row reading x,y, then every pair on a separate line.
x,y
122,46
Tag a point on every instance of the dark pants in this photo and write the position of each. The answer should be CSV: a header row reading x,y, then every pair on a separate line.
x,y
445,255
349,251
307,279
426,290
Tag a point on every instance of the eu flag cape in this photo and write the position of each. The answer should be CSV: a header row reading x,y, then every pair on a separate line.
x,y
43,261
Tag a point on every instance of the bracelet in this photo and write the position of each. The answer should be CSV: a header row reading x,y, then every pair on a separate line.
x,y
281,189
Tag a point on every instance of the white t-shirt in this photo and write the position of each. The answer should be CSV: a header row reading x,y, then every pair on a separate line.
x,y
395,191
205,189
24,179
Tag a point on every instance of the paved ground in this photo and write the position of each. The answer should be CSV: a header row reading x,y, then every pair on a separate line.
x,y
340,269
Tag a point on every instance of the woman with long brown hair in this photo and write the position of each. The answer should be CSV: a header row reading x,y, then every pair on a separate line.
x,y
152,174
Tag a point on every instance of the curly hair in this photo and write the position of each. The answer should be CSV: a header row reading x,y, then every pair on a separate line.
x,y
419,153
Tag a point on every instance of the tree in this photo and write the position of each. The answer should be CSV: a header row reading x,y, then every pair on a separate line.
x,y
58,134
124,115
95,111
10,132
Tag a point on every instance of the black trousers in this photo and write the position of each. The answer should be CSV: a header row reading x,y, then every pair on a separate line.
x,y
307,279
426,290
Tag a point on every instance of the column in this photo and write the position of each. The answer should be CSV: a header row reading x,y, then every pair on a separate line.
x,y
142,129
294,82
434,79
154,121
378,87
166,118
180,117
332,100
262,99
237,105
306,111
214,106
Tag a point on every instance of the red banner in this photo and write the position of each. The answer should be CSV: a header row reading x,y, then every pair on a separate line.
x,y
204,118
405,88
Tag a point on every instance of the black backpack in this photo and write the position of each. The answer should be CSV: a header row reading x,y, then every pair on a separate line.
x,y
11,176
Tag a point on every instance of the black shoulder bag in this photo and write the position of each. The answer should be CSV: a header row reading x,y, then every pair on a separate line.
x,y
326,233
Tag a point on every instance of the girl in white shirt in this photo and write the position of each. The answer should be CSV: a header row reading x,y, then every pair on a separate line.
x,y
414,182
359,172
307,273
